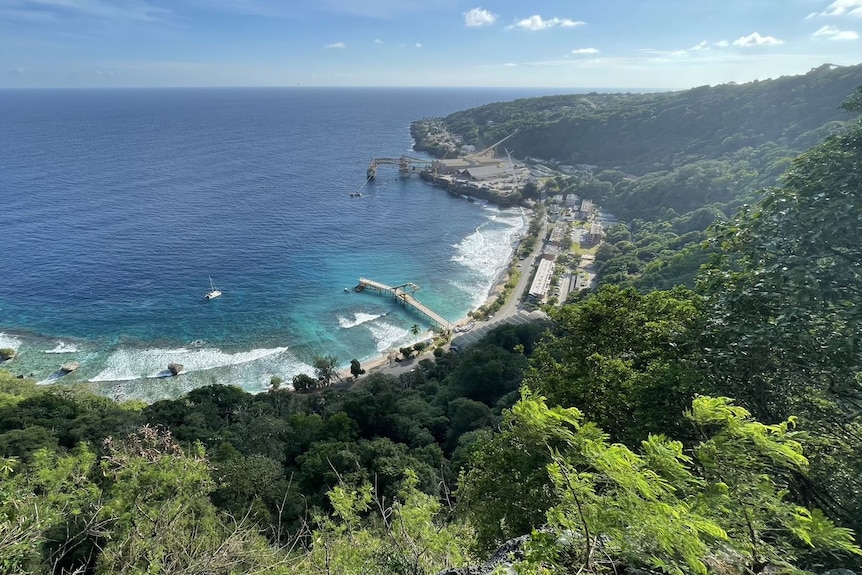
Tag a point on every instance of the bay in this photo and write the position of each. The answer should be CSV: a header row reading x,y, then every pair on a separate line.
x,y
118,205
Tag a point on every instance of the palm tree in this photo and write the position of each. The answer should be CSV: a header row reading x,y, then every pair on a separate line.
x,y
415,329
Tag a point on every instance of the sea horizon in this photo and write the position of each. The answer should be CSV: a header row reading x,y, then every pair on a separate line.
x,y
522,92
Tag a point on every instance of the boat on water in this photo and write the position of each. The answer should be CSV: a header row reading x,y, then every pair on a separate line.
x,y
213,293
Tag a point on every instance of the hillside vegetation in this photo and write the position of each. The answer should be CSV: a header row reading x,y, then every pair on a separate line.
x,y
700,146
641,133
684,431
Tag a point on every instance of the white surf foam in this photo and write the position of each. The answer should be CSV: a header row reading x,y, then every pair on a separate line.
x,y
515,219
9,341
63,347
478,292
130,364
387,335
486,251
358,319
489,248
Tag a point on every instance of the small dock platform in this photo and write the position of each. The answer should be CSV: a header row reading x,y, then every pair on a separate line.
x,y
404,294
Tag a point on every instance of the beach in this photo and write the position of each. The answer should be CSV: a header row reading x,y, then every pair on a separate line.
x,y
385,362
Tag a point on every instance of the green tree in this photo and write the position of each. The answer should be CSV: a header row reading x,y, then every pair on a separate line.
x,y
355,368
255,487
325,368
622,358
50,513
504,489
784,328
749,467
664,510
275,382
303,382
618,233
162,520
783,292
365,534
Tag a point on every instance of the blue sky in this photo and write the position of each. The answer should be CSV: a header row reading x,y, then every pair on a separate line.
x,y
503,43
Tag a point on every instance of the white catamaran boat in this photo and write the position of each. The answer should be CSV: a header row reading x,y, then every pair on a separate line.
x,y
213,293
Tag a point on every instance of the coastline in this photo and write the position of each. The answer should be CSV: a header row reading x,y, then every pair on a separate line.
x,y
382,364
44,353
125,313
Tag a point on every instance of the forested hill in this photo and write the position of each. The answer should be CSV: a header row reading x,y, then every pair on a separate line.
x,y
606,432
640,133
668,164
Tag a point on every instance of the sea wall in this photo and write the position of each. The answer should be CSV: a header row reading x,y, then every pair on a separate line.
x,y
472,189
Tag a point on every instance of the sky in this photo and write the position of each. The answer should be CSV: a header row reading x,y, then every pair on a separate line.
x,y
598,44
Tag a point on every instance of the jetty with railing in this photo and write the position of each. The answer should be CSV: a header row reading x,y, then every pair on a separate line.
x,y
404,294
406,165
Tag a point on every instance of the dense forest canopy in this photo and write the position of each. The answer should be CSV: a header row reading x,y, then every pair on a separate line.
x,y
641,133
708,430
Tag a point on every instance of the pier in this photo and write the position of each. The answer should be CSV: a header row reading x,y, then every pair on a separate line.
x,y
406,165
400,293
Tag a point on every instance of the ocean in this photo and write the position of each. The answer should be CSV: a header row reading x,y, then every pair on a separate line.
x,y
117,206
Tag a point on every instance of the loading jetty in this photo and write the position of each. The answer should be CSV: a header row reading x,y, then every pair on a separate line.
x,y
404,294
406,165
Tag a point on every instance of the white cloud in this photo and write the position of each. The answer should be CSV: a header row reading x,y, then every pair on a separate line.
x,y
378,41
833,33
477,17
336,45
843,7
585,51
418,45
510,65
756,39
701,46
536,22
722,44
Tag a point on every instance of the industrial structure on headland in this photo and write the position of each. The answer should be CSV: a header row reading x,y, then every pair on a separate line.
x,y
480,171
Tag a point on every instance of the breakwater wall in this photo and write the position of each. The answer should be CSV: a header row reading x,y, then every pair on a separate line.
x,y
471,189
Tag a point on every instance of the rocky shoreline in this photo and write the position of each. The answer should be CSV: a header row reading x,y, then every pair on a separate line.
x,y
471,190
432,136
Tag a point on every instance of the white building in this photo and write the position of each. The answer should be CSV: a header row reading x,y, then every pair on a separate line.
x,y
542,281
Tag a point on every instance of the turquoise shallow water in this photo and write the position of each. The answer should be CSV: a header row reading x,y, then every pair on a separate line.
x,y
119,204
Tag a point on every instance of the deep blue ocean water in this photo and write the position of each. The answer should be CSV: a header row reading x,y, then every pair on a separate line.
x,y
116,206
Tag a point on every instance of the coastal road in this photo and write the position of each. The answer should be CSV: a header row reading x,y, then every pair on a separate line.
x,y
514,302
